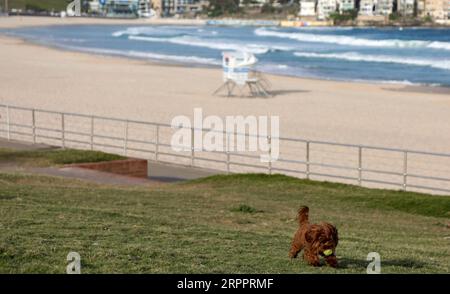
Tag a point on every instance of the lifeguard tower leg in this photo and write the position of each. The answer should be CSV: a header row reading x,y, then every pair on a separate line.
x,y
262,90
223,86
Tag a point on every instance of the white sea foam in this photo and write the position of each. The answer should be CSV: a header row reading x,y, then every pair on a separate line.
x,y
212,44
154,31
393,82
147,55
402,82
310,28
206,32
352,41
439,45
353,56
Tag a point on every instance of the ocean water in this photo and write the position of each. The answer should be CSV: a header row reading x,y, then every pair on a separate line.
x,y
386,55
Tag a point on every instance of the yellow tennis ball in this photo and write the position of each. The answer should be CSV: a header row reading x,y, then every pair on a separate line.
x,y
328,252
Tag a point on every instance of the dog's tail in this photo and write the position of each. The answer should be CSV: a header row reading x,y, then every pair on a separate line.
x,y
303,213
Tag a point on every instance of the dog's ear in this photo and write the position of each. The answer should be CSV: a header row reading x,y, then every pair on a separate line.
x,y
329,232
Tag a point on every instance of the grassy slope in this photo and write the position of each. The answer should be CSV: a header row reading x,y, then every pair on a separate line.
x,y
56,5
209,226
54,157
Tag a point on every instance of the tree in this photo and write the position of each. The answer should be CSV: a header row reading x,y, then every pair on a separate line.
x,y
267,8
222,7
346,16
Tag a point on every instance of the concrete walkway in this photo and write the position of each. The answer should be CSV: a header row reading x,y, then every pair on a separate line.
x,y
16,145
158,172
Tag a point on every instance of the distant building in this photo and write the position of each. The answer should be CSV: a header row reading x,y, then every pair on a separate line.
x,y
94,6
436,9
420,7
156,5
448,9
120,8
346,5
259,3
325,8
406,7
366,7
384,7
170,7
307,8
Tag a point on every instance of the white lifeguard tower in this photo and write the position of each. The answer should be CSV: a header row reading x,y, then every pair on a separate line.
x,y
238,73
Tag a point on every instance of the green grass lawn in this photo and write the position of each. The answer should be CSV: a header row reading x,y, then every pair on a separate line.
x,y
53,157
47,5
221,224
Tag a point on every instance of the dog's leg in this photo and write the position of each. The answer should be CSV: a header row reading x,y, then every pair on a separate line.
x,y
296,246
311,257
295,249
331,260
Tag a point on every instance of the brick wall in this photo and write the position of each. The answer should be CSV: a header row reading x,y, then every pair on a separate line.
x,y
128,167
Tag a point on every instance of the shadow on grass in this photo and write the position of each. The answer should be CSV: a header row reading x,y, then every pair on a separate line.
x,y
362,263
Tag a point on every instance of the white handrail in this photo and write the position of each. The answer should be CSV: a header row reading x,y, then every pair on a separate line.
x,y
125,144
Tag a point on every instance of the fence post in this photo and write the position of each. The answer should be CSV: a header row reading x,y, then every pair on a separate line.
x,y
307,160
405,170
33,119
228,162
227,150
269,166
157,143
63,132
8,123
92,132
192,147
359,165
125,139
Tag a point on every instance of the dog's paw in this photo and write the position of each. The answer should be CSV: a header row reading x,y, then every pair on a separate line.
x,y
332,261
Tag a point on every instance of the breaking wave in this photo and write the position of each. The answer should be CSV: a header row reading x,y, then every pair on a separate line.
x,y
353,56
352,41
213,44
439,45
156,31
147,55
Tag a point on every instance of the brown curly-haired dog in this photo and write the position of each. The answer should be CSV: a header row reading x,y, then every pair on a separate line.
x,y
315,239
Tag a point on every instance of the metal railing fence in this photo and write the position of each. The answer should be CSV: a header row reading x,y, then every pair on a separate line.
x,y
311,159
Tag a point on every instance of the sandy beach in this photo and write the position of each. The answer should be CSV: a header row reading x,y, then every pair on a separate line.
x,y
387,115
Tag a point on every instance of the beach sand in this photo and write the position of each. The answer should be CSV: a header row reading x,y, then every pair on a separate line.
x,y
386,115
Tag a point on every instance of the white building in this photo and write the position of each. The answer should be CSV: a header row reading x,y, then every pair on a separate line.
x,y
436,9
120,8
307,8
420,6
325,8
346,5
182,6
405,7
258,3
94,6
384,7
366,7
448,9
